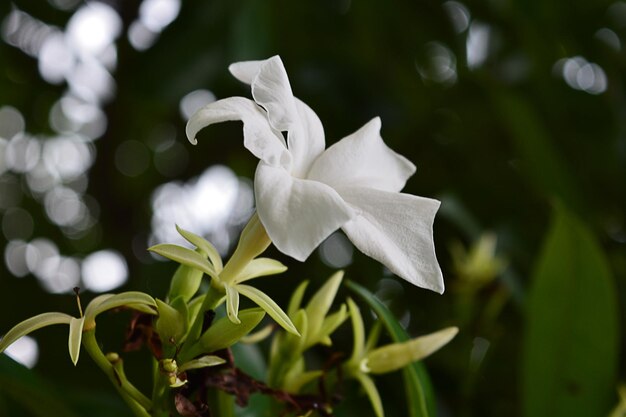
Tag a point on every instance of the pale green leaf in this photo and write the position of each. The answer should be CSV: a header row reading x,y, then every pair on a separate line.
x,y
259,336
32,324
205,246
372,393
131,299
203,362
232,303
331,323
260,267
185,256
318,306
170,324
269,305
395,356
75,337
223,333
358,332
296,299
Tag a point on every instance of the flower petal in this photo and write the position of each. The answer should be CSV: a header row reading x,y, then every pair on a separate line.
x,y
362,159
396,230
271,89
297,214
259,138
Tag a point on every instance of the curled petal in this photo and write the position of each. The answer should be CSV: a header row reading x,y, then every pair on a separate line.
x,y
259,138
362,159
245,71
396,230
297,214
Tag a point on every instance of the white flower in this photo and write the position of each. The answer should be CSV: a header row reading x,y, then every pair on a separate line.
x,y
304,193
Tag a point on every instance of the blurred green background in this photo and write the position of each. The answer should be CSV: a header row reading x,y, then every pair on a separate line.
x,y
514,112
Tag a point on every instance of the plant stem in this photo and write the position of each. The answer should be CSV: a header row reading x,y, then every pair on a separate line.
x,y
138,403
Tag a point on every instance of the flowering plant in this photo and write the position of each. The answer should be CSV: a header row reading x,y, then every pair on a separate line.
x,y
303,193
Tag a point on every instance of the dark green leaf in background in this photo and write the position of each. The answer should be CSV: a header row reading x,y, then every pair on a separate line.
x,y
571,346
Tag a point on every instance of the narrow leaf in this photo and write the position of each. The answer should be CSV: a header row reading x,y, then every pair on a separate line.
x,y
358,332
185,282
75,337
205,246
185,256
232,303
372,393
170,325
203,362
571,346
131,299
223,333
420,396
318,306
395,356
296,299
32,324
260,267
269,305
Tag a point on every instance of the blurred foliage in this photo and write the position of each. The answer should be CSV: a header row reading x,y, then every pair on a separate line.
x,y
499,142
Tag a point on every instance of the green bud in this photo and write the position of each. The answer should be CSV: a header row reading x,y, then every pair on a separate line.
x,y
185,283
169,365
397,355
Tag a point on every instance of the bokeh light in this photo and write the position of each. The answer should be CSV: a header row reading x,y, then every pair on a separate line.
x,y
24,350
104,270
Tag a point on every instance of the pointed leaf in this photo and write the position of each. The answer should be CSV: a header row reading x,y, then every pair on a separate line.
x,y
260,267
185,256
301,379
318,306
358,332
269,305
132,299
296,299
571,347
223,333
203,362
419,391
332,322
395,356
170,324
76,336
232,303
372,393
32,324
205,246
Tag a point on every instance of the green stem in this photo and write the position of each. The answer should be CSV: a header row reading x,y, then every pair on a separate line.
x,y
214,297
136,401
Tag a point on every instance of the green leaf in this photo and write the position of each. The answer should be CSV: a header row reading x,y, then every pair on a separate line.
x,y
296,299
203,362
232,303
260,267
358,332
76,336
372,393
395,356
185,256
269,305
171,324
223,333
205,246
132,299
32,324
318,306
332,322
420,396
571,346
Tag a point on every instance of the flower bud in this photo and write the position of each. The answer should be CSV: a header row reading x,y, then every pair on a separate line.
x,y
185,283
